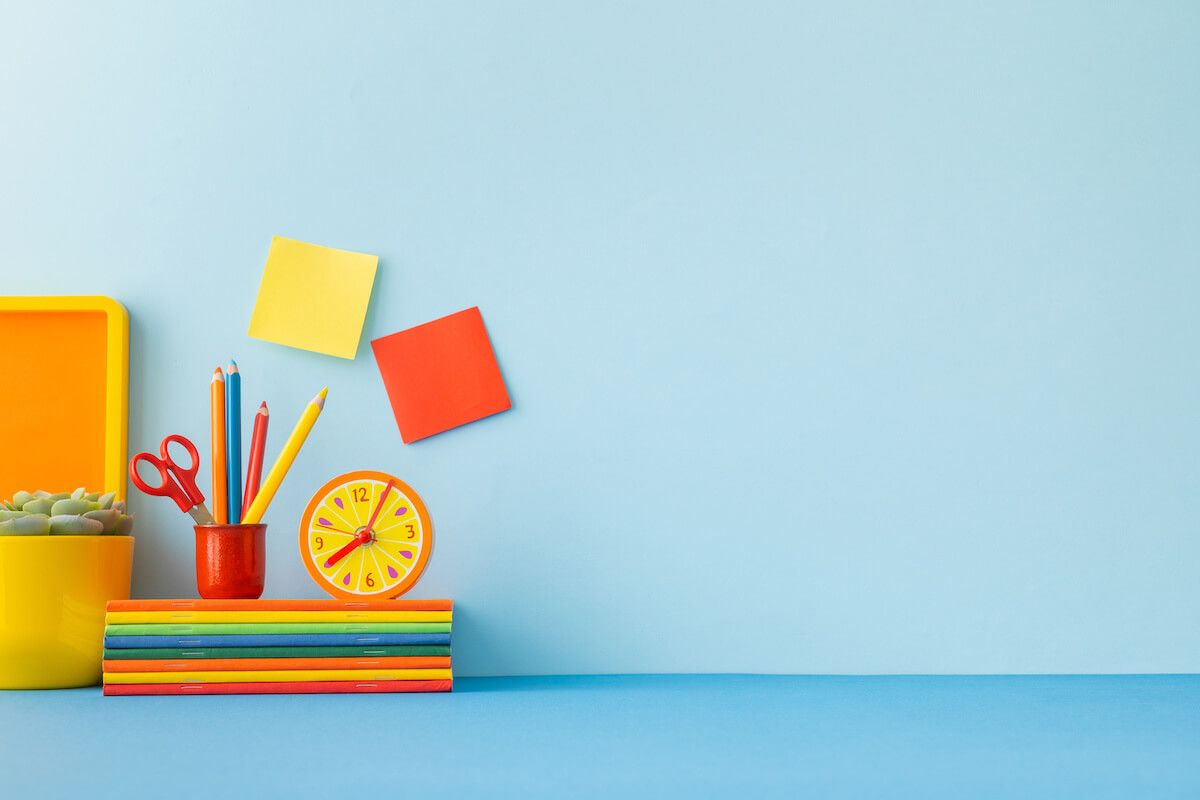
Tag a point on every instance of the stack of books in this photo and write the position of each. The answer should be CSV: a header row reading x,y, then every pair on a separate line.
x,y
276,646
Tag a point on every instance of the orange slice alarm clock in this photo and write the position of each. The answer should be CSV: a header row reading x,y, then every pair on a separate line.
x,y
365,535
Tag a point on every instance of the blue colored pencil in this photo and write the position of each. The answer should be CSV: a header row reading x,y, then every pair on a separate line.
x,y
233,439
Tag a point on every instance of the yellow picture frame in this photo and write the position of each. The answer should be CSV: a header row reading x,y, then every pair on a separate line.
x,y
31,325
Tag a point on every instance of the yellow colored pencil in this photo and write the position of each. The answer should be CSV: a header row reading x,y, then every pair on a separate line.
x,y
220,496
287,455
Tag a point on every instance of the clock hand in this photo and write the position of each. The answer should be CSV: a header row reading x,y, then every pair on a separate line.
x,y
365,536
347,550
379,507
335,530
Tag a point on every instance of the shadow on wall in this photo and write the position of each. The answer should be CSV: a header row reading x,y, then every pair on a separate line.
x,y
152,551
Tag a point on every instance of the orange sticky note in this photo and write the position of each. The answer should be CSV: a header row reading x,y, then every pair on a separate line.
x,y
313,297
441,375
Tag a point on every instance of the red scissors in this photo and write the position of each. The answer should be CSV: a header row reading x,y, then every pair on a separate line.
x,y
177,483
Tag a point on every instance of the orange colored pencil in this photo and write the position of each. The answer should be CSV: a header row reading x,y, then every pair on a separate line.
x,y
220,491
258,444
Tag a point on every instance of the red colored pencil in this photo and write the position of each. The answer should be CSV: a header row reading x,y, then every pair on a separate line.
x,y
258,443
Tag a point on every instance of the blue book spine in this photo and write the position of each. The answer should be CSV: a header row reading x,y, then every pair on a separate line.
x,y
277,640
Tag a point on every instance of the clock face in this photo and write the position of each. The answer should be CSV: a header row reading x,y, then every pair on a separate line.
x,y
365,535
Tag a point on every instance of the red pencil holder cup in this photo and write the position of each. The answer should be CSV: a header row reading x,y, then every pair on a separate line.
x,y
231,561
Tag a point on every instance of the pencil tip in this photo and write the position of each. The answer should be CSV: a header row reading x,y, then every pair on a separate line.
x,y
323,393
218,375
320,398
232,365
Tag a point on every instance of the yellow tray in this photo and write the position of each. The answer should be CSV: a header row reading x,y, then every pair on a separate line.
x,y
63,414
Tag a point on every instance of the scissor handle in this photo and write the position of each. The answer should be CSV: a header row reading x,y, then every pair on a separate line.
x,y
167,488
178,483
185,477
190,487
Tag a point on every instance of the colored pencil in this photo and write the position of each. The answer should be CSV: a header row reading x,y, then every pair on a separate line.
x,y
258,446
220,488
266,494
233,438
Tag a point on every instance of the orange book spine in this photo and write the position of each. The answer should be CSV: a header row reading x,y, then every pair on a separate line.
x,y
280,605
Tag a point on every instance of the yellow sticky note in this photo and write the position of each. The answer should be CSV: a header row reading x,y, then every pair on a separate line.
x,y
313,297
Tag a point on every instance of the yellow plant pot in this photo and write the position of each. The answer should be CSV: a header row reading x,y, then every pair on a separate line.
x,y
52,595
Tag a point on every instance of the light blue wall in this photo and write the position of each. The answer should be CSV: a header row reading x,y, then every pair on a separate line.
x,y
840,338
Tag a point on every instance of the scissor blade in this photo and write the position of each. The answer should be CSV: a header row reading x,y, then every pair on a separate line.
x,y
200,513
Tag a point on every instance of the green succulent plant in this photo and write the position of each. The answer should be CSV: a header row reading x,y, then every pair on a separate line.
x,y
77,513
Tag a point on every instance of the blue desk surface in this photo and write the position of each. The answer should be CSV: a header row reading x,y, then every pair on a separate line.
x,y
631,736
